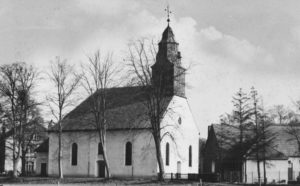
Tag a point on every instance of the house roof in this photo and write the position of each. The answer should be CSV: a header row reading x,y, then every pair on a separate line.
x,y
126,109
43,147
283,144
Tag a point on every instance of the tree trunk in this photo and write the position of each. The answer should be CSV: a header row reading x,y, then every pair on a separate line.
x,y
265,176
15,159
15,166
258,170
23,163
159,158
102,137
106,162
60,171
2,153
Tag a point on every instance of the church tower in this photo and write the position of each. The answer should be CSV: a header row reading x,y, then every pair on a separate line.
x,y
167,72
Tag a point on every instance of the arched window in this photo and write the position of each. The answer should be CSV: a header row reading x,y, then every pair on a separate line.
x,y
128,154
74,153
167,154
100,148
190,156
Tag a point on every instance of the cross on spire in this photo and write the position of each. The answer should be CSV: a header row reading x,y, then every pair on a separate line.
x,y
168,13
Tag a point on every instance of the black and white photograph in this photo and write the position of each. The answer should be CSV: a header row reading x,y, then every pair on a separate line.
x,y
150,92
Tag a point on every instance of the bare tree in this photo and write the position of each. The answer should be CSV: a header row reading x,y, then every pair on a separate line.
x,y
142,56
256,130
26,106
3,137
241,115
293,125
98,76
65,81
9,91
263,136
280,114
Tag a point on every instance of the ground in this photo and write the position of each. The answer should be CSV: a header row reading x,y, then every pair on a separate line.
x,y
88,181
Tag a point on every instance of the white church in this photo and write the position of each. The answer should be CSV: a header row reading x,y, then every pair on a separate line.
x,y
131,150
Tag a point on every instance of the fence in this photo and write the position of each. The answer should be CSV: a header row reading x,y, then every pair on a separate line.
x,y
211,177
274,176
179,176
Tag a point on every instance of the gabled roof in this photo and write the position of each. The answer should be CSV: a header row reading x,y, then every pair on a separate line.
x,y
283,144
126,109
43,147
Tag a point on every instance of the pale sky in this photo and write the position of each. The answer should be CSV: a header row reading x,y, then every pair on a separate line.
x,y
232,44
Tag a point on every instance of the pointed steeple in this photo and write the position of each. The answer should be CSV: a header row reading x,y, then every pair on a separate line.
x,y
168,35
167,71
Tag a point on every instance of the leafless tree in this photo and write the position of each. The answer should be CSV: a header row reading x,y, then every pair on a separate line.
x,y
98,76
280,114
241,115
9,90
26,108
293,125
65,81
263,136
256,130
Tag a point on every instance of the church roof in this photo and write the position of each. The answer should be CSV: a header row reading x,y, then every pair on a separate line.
x,y
126,109
43,147
168,35
283,144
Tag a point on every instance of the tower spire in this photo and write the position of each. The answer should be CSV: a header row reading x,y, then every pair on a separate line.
x,y
168,13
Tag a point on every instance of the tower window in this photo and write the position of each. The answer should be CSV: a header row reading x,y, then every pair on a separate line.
x,y
128,154
167,154
74,154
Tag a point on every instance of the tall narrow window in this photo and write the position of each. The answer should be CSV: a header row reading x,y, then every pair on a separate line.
x,y
213,166
100,148
128,154
74,153
190,156
167,154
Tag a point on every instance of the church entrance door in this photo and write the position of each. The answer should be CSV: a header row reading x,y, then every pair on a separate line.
x,y
43,169
101,169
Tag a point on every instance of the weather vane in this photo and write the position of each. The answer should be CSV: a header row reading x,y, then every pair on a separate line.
x,y
168,13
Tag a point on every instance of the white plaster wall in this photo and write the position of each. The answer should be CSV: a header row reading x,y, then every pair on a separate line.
x,y
276,170
40,158
296,166
185,134
143,160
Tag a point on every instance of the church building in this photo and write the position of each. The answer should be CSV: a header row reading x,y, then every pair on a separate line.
x,y
130,146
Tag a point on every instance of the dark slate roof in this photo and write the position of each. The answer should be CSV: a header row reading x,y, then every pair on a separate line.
x,y
44,146
168,35
126,109
283,144
271,153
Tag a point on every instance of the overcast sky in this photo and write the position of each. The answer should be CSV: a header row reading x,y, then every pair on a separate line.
x,y
232,44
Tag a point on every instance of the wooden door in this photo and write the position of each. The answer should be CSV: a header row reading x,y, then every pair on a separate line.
x,y
178,169
43,169
290,170
101,169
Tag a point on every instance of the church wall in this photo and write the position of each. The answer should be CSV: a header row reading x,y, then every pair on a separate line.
x,y
143,160
185,134
41,157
